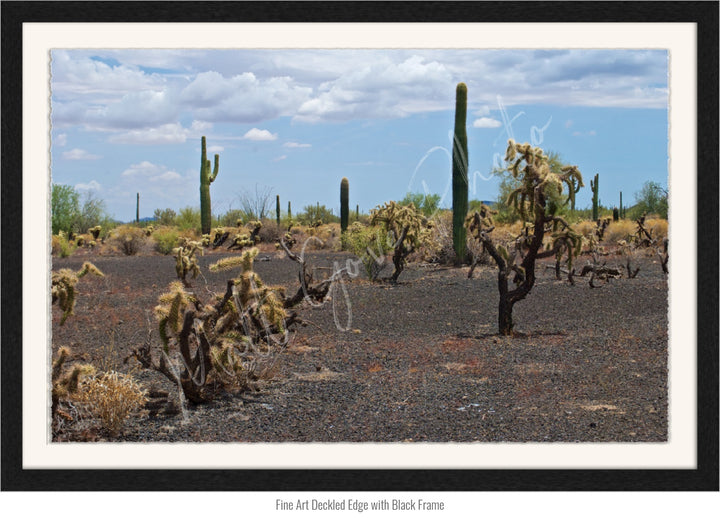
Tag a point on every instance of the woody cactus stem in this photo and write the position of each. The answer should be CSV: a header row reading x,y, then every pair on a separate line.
x,y
206,178
595,199
460,173
344,204
277,209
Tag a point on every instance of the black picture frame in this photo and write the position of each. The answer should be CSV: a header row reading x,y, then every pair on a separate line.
x,y
703,478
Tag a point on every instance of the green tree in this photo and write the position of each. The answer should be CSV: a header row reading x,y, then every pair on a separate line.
x,y
651,199
165,217
427,204
92,213
65,208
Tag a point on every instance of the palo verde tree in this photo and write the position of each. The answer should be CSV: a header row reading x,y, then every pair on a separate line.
x,y
529,165
206,178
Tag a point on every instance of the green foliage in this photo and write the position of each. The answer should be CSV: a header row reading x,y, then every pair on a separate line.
x,y
166,238
62,246
311,214
427,204
165,217
65,208
651,199
460,173
370,245
344,204
206,178
188,219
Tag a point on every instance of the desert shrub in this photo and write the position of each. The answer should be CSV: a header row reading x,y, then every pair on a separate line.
x,y
166,238
112,397
270,232
62,246
65,382
658,228
188,219
164,217
619,231
585,228
370,245
129,239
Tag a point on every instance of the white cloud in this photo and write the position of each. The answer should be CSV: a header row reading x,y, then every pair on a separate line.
x,y
92,185
296,145
485,122
280,158
590,133
61,140
259,135
151,172
215,149
164,134
79,154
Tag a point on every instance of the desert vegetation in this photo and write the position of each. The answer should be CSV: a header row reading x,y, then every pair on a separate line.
x,y
426,297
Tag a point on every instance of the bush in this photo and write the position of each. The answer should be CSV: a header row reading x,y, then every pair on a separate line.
x,y
62,246
188,219
358,238
165,217
166,238
112,397
129,239
270,232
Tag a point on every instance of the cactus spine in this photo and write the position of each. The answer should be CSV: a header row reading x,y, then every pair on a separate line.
x,y
344,204
206,178
595,199
277,209
460,173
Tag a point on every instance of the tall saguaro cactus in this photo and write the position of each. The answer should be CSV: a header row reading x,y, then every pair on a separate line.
x,y
344,204
206,178
460,173
596,204
137,209
277,209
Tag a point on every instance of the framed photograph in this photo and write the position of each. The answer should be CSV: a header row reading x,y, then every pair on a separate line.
x,y
353,246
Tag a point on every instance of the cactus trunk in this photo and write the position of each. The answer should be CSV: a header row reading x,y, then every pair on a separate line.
x,y
289,211
206,178
344,204
137,209
357,212
595,199
622,215
277,209
460,174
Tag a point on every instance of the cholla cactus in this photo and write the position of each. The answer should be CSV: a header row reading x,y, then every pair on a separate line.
x,y
95,231
65,383
408,228
531,166
186,260
63,287
218,341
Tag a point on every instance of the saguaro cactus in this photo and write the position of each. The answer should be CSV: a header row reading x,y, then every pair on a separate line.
x,y
277,209
344,204
596,204
460,173
137,209
206,178
289,211
622,214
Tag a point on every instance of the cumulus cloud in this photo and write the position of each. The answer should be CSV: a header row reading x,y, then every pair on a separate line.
x,y
280,158
486,122
150,172
259,135
79,154
296,145
164,134
92,185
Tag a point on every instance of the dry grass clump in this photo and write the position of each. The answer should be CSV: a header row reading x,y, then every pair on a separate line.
x,y
619,230
585,228
128,239
658,228
112,397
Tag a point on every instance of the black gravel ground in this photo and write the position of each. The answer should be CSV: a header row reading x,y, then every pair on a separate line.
x,y
419,361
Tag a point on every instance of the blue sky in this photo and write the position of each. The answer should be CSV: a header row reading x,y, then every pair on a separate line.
x,y
297,121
